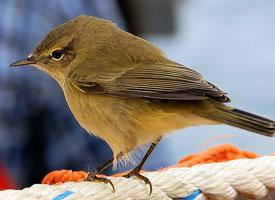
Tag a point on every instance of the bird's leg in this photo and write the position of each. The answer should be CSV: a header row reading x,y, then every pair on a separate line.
x,y
94,176
136,171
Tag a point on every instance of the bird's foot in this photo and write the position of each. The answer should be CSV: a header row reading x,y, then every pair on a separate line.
x,y
136,173
95,178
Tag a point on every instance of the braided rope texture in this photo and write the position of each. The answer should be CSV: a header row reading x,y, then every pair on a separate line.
x,y
230,180
241,179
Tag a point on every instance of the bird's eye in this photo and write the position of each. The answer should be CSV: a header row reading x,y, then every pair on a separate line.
x,y
57,54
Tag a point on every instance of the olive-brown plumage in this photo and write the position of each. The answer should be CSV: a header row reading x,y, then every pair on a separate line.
x,y
124,90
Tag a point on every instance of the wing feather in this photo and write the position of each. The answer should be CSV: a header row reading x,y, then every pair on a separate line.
x,y
156,81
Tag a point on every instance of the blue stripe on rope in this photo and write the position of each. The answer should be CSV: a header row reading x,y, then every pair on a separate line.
x,y
192,196
63,195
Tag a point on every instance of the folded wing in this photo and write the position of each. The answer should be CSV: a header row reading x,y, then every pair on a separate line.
x,y
153,81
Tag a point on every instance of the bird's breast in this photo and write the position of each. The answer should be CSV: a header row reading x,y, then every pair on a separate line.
x,y
126,123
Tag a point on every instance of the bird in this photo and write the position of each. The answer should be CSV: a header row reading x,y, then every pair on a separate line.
x,y
124,90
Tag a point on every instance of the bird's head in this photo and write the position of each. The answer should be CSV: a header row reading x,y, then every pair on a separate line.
x,y
71,42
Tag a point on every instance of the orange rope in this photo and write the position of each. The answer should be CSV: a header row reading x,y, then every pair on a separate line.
x,y
219,153
61,176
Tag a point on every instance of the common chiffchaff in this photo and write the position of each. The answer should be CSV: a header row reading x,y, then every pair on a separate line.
x,y
124,90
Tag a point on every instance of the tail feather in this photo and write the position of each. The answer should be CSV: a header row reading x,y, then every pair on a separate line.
x,y
244,120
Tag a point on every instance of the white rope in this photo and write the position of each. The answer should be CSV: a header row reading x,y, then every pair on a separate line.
x,y
238,179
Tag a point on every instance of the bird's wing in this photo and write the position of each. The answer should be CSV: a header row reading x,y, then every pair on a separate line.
x,y
154,81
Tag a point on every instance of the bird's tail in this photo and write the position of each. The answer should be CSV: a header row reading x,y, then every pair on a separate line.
x,y
244,120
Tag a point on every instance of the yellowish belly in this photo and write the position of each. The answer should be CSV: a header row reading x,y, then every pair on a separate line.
x,y
127,123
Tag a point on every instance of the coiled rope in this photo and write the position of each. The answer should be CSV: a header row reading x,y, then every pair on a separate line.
x,y
236,179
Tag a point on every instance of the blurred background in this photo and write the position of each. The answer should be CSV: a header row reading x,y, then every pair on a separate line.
x,y
230,42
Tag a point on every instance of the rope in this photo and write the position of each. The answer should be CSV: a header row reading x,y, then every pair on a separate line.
x,y
237,179
219,153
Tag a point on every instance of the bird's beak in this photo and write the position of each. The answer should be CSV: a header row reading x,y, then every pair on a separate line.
x,y
26,61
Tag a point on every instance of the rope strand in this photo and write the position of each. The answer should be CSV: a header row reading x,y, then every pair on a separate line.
x,y
246,178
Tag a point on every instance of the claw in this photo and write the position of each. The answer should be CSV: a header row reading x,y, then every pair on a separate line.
x,y
93,177
141,177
